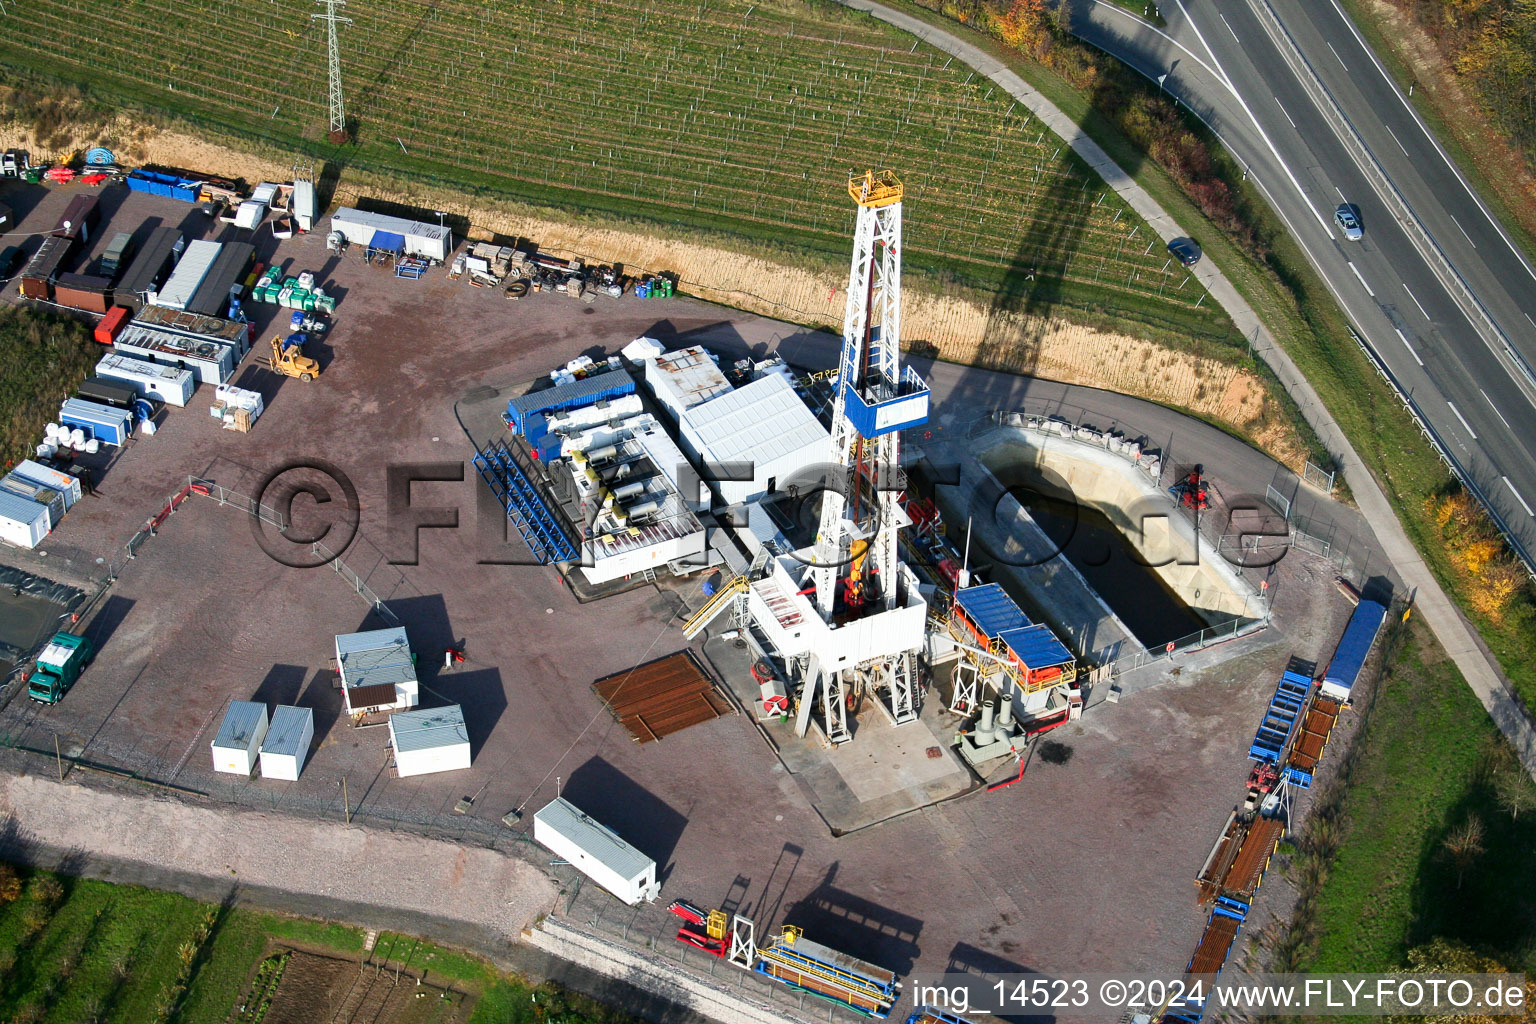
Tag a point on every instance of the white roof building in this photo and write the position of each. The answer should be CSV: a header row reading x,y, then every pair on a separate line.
x,y
763,431
432,740
377,670
685,378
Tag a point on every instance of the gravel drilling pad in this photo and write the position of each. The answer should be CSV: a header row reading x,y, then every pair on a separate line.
x,y
662,697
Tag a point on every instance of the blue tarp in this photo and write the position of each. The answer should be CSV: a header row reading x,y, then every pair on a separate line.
x,y
1355,645
990,609
387,241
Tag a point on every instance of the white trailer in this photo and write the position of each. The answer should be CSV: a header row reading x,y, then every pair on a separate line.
x,y
429,740
596,851
169,384
393,234
23,522
238,744
286,746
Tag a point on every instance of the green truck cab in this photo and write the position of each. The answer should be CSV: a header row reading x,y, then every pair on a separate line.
x,y
58,666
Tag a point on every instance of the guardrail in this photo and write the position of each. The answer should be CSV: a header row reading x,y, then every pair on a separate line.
x,y
1417,233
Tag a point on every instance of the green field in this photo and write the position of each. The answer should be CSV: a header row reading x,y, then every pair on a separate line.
x,y
45,357
79,951
726,116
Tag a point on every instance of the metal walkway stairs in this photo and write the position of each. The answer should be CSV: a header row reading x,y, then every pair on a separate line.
x,y
540,528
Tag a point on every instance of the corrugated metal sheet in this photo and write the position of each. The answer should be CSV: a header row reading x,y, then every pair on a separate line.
x,y
685,378
378,657
565,396
760,423
595,838
1036,647
241,724
289,732
429,729
188,275
991,609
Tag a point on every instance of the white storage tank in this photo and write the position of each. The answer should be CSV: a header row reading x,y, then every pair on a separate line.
x,y
23,522
286,746
237,746
597,851
430,740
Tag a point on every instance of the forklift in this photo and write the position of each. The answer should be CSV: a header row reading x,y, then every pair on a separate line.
x,y
288,357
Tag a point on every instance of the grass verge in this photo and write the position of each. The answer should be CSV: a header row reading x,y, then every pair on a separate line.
x,y
1427,760
45,357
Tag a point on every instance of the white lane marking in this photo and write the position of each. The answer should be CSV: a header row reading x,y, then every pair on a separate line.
x,y
1283,111
1340,59
1225,22
1463,419
1461,229
1434,142
1356,269
1145,27
1327,229
1416,302
1398,141
1495,409
1517,496
1409,347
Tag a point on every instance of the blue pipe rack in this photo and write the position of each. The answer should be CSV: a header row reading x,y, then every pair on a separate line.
x,y
1285,708
544,534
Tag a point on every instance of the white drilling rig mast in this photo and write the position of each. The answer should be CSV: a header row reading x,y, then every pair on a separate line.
x,y
338,129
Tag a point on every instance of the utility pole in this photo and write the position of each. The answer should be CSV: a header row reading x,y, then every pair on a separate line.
x,y
338,132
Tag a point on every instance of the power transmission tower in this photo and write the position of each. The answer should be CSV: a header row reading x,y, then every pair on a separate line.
x,y
338,133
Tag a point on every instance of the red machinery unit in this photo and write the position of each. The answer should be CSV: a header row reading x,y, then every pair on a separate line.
x,y
701,929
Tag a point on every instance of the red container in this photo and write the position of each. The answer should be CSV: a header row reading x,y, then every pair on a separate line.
x,y
112,324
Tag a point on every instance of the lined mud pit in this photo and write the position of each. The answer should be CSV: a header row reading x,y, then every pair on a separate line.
x,y
1110,563
317,989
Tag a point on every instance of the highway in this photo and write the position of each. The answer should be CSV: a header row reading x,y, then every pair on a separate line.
x,y
1436,287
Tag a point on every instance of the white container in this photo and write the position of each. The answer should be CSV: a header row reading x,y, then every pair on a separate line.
x,y
250,214
596,851
427,741
189,273
236,747
22,522
286,746
169,384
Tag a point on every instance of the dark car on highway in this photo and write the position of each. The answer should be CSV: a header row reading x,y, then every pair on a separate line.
x,y
1185,251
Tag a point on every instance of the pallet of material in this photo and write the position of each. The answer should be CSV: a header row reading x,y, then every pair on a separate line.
x,y
662,697
1253,857
1315,730
1219,863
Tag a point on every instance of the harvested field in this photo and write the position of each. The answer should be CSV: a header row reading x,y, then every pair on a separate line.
x,y
662,697
325,990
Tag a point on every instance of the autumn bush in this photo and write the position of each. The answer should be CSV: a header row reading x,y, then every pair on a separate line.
x,y
1492,576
